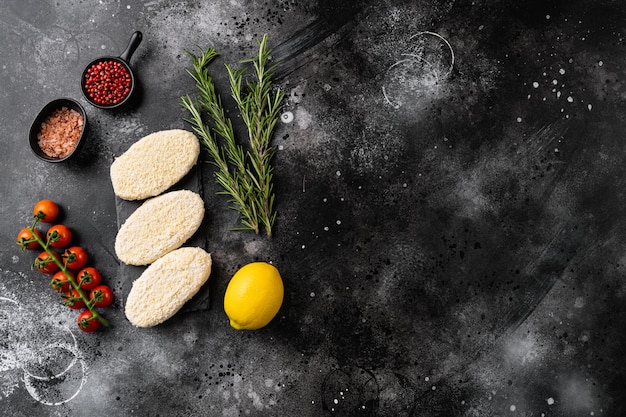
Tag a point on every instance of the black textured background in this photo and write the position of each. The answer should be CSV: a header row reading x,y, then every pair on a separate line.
x,y
450,197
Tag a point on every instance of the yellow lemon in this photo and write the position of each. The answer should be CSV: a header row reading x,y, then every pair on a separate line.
x,y
253,296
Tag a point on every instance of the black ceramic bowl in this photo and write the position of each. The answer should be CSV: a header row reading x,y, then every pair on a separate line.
x,y
123,60
47,110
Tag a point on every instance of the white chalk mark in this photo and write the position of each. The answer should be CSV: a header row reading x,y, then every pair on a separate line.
x,y
46,378
420,71
451,67
43,355
32,385
406,75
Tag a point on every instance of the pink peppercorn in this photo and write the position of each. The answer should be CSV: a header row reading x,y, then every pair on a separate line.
x,y
107,82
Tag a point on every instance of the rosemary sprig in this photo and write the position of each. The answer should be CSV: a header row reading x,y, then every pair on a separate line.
x,y
229,181
247,177
259,110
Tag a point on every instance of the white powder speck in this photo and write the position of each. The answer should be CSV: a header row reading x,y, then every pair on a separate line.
x,y
589,106
338,173
555,82
547,17
570,99
550,401
562,71
303,246
536,84
338,221
286,117
128,7
326,229
312,294
519,120
600,63
513,408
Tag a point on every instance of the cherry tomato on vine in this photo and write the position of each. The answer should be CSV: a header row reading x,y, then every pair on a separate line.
x,y
89,278
26,240
87,322
101,296
45,263
60,282
46,211
73,300
59,236
75,257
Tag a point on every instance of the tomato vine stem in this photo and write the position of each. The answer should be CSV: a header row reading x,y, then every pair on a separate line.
x,y
62,266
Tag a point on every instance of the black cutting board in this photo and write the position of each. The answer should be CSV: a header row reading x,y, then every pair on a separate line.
x,y
127,274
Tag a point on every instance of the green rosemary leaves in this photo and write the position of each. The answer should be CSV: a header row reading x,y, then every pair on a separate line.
x,y
244,175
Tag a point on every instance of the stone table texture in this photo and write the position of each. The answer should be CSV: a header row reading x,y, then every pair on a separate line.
x,y
449,181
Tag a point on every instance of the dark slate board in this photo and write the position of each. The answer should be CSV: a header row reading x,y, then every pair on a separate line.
x,y
127,274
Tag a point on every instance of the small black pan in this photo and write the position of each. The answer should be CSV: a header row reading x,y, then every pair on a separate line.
x,y
123,60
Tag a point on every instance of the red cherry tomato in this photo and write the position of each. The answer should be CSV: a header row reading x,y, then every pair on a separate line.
x,y
59,236
60,282
75,257
89,278
101,296
73,300
26,240
87,322
46,211
45,263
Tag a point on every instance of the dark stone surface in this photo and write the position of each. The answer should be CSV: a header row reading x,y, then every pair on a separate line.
x,y
450,197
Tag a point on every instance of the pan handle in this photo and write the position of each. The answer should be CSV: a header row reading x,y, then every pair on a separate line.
x,y
134,42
